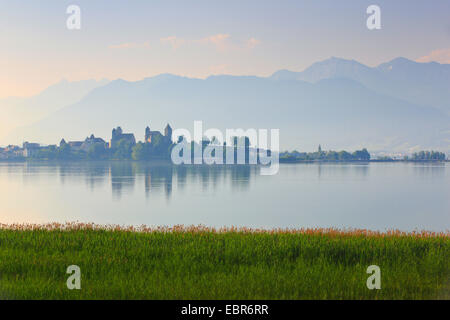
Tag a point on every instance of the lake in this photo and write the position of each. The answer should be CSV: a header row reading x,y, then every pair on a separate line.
x,y
376,196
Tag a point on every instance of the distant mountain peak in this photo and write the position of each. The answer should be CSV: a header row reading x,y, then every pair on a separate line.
x,y
409,69
416,82
165,76
338,59
396,63
401,60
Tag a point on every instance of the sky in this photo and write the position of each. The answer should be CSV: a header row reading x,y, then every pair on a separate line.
x,y
137,39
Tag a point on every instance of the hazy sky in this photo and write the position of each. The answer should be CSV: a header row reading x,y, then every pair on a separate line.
x,y
136,39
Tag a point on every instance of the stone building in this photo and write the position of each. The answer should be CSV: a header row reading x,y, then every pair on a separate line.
x,y
151,135
117,135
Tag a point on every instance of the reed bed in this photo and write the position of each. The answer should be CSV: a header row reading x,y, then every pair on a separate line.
x,y
78,226
199,262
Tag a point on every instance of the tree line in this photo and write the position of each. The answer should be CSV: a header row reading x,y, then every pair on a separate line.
x,y
123,150
427,156
358,155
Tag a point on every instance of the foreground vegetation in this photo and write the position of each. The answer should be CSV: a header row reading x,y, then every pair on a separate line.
x,y
201,263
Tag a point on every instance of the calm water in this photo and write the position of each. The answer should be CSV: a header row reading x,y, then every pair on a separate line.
x,y
376,196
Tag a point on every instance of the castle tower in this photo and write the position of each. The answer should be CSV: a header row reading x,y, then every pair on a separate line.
x,y
117,132
147,134
168,132
116,135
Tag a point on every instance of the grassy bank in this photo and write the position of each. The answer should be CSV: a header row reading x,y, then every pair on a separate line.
x,y
199,263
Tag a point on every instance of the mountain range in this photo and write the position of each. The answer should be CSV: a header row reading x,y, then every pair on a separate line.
x,y
398,106
418,83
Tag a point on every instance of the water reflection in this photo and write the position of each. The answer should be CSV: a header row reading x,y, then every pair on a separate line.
x,y
327,169
374,196
123,176
162,177
156,178
429,170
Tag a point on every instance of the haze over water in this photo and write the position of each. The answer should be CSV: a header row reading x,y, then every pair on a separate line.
x,y
376,196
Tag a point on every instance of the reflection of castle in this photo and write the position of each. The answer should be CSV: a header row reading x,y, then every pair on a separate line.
x,y
156,178
153,136
118,135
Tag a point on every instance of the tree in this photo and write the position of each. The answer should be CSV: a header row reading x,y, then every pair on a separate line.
x,y
123,149
427,155
361,155
64,151
140,152
344,156
97,151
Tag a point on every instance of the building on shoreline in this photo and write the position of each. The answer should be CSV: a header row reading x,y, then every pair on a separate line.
x,y
152,136
30,149
75,145
92,141
117,135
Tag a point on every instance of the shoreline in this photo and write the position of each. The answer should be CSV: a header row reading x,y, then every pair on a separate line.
x,y
162,161
362,161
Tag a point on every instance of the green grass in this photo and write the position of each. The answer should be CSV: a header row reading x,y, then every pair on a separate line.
x,y
202,264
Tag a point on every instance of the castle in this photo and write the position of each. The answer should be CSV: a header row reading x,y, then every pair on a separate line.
x,y
117,135
83,145
152,135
